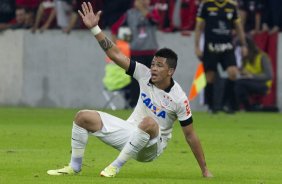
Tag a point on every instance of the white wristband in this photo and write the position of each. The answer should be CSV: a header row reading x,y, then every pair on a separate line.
x,y
95,30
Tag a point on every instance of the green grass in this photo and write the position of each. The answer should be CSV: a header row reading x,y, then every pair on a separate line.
x,y
242,148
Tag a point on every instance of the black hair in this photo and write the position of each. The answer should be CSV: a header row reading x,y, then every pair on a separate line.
x,y
253,50
170,55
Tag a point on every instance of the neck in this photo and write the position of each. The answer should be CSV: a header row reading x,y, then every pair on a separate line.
x,y
163,85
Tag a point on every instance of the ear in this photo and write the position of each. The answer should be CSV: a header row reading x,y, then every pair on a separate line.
x,y
171,71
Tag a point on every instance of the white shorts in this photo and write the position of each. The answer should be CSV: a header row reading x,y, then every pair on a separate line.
x,y
116,132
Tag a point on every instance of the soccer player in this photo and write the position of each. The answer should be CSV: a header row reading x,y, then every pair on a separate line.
x,y
145,134
216,19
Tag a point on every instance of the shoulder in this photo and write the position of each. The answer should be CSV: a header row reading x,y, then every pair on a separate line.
x,y
264,56
178,93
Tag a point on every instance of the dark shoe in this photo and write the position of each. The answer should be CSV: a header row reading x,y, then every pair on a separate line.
x,y
228,110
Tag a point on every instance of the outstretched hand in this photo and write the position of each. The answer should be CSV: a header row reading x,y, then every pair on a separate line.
x,y
89,19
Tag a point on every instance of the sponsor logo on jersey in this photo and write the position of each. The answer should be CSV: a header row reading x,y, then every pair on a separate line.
x,y
156,110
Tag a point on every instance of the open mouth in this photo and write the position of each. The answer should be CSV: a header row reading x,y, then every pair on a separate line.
x,y
154,76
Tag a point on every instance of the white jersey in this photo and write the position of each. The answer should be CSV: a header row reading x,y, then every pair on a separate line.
x,y
164,106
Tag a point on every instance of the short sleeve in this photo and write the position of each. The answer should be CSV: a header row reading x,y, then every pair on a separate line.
x,y
202,13
138,70
184,111
236,14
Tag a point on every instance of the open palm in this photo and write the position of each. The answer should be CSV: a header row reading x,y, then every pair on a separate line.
x,y
89,19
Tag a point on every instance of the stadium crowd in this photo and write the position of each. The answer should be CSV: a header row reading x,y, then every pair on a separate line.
x,y
175,15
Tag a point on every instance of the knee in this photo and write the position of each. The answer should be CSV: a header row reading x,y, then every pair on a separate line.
x,y
80,116
232,73
88,119
210,76
150,126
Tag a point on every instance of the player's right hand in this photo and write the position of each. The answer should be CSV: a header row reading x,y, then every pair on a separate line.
x,y
89,19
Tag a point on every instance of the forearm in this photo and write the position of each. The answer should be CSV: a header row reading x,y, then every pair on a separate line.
x,y
50,18
72,22
198,31
240,33
257,21
197,150
112,50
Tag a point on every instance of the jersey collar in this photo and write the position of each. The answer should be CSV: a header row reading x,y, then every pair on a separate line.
x,y
168,88
220,4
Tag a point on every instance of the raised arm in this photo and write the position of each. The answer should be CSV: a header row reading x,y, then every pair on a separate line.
x,y
196,148
91,22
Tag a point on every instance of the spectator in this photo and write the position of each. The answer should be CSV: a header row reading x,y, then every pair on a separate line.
x,y
45,23
256,76
250,12
176,15
66,16
22,20
142,20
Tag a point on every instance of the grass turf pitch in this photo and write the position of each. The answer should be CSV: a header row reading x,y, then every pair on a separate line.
x,y
241,148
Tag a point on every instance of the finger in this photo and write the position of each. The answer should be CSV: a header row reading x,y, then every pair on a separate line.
x,y
83,8
90,7
80,13
99,14
86,7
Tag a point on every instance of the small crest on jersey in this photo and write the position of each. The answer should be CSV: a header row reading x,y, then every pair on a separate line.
x,y
229,15
165,101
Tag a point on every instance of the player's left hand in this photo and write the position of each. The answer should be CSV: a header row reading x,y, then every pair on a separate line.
x,y
207,174
89,18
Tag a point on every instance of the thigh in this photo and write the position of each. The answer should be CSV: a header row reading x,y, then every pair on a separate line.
x,y
228,59
253,86
210,60
115,131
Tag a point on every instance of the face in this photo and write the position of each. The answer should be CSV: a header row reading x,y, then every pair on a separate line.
x,y
20,16
160,71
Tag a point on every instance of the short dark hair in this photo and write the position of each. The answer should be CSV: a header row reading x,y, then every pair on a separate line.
x,y
170,55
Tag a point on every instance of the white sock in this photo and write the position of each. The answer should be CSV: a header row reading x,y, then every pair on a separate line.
x,y
137,142
78,143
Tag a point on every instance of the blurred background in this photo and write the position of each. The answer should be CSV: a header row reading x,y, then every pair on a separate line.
x,y
49,59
